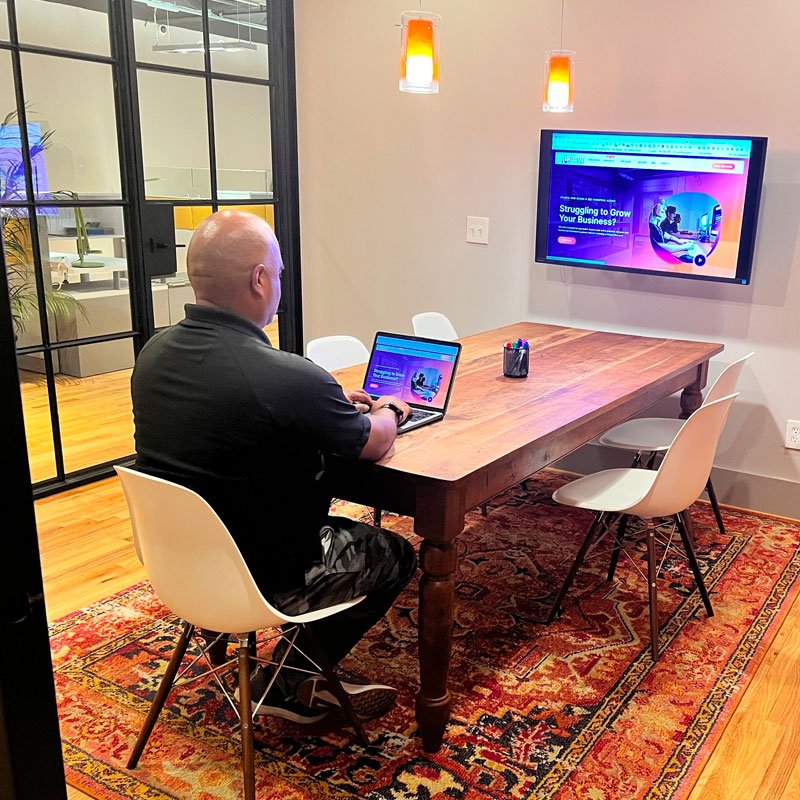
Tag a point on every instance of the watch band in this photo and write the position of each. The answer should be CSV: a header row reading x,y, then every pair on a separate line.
x,y
398,412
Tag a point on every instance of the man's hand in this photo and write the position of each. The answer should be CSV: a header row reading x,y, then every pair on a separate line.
x,y
382,401
360,399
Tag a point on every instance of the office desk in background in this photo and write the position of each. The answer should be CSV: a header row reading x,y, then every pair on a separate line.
x,y
497,432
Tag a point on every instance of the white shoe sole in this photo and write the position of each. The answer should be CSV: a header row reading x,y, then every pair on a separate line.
x,y
368,700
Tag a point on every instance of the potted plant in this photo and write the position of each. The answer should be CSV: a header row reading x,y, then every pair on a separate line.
x,y
15,233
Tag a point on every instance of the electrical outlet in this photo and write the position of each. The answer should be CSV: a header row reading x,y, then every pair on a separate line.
x,y
792,434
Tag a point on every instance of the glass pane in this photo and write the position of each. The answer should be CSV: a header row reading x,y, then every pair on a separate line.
x,y
243,141
88,260
4,21
36,412
94,403
174,135
72,103
172,292
238,35
18,253
165,37
64,25
12,176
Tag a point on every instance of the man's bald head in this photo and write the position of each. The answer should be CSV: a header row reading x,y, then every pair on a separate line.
x,y
234,262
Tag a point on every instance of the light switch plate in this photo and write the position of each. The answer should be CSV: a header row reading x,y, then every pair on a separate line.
x,y
478,230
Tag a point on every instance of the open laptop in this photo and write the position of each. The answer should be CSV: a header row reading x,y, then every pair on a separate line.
x,y
417,370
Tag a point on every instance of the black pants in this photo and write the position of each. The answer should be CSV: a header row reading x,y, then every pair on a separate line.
x,y
358,560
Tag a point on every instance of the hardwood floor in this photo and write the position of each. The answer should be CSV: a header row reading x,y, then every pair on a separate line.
x,y
87,554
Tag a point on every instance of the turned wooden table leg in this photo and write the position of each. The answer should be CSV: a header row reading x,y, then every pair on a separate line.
x,y
692,395
436,601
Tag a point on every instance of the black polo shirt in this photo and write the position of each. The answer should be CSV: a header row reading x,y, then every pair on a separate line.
x,y
217,409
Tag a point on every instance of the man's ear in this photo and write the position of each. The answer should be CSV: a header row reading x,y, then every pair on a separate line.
x,y
256,279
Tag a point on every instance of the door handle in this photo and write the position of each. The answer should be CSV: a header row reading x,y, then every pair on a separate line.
x,y
154,245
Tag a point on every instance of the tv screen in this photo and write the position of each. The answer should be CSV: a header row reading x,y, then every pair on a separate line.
x,y
659,204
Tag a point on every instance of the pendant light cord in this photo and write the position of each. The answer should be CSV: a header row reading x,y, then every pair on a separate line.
x,y
562,24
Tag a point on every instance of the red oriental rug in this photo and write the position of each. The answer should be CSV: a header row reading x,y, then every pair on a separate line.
x,y
572,710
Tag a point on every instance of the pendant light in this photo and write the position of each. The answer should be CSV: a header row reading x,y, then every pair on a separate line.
x,y
559,76
419,52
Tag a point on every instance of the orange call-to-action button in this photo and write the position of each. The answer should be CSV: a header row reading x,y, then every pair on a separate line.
x,y
566,240
723,165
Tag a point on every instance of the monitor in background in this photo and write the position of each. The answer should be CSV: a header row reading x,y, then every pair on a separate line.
x,y
659,204
12,173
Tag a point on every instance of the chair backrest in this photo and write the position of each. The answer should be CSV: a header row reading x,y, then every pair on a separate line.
x,y
337,352
726,381
193,563
433,325
687,464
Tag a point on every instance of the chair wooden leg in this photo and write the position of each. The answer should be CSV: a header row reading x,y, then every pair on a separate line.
x,y
485,509
622,529
524,485
161,694
652,588
712,496
698,576
376,517
246,720
321,657
595,527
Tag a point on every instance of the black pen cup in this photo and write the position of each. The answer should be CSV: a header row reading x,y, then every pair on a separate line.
x,y
515,362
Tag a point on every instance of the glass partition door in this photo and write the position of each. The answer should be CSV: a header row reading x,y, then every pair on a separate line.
x,y
122,126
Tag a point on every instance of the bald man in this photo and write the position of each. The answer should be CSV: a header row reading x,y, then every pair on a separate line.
x,y
219,410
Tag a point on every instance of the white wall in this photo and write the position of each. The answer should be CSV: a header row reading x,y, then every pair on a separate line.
x,y
387,180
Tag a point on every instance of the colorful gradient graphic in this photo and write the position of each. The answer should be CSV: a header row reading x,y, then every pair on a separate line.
x,y
417,372
609,196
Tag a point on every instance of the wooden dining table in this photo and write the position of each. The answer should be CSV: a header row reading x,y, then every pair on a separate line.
x,y
497,432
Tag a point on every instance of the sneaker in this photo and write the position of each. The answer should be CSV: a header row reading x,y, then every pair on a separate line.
x,y
369,700
277,705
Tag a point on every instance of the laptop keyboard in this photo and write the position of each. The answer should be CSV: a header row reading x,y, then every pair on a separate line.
x,y
415,415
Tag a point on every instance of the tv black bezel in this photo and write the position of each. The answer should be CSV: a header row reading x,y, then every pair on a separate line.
x,y
750,211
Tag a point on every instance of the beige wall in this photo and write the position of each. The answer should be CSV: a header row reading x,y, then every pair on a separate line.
x,y
387,180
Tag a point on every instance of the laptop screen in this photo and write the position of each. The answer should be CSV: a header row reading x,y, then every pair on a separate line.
x,y
419,371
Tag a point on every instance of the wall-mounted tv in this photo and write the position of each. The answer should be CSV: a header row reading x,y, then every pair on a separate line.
x,y
653,203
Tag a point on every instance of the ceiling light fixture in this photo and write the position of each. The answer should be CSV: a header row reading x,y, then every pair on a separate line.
x,y
559,76
197,47
419,52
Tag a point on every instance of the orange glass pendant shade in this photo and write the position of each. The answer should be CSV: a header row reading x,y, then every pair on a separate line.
x,y
419,53
559,80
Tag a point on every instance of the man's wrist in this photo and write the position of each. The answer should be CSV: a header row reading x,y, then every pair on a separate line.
x,y
394,408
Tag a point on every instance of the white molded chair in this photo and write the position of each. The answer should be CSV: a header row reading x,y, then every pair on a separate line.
x,y
337,352
197,571
649,436
433,325
618,494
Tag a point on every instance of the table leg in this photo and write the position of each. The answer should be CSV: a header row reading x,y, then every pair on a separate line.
x,y
692,395
436,603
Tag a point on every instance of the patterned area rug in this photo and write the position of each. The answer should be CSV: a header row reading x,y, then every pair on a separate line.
x,y
571,710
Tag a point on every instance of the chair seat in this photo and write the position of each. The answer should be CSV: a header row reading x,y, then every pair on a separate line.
x,y
609,490
650,434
